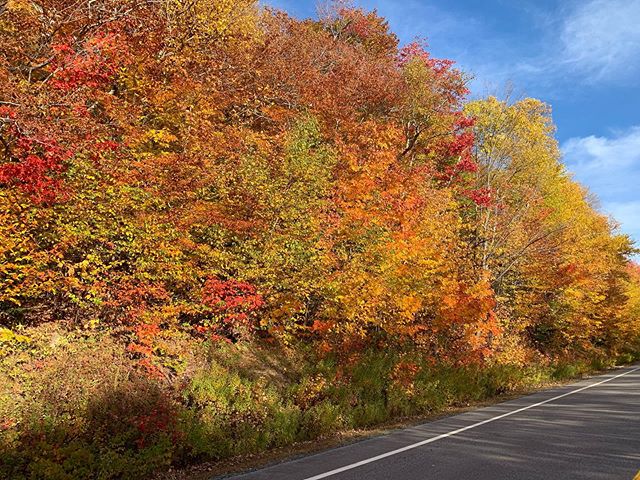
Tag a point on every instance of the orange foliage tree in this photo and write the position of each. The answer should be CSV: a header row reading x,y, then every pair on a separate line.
x,y
215,167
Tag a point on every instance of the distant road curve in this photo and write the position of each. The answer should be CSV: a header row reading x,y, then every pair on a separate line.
x,y
587,430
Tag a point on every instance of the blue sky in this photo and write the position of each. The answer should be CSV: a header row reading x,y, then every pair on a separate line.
x,y
580,56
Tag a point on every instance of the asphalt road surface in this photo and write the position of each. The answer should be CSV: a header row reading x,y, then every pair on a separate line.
x,y
587,430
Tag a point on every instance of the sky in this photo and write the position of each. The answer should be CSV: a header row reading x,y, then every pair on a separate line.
x,y
580,56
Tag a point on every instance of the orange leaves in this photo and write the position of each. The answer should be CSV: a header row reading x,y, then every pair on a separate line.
x,y
471,309
355,26
466,304
145,334
321,327
338,176
336,80
143,346
403,375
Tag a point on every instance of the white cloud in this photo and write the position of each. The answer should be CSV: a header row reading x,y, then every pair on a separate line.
x,y
601,39
610,167
594,42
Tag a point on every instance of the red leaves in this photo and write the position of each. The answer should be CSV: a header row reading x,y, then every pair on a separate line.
x,y
464,122
459,144
411,51
60,112
7,112
39,162
455,155
231,295
480,196
159,420
93,65
233,302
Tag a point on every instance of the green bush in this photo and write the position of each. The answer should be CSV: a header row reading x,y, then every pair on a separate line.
x,y
81,410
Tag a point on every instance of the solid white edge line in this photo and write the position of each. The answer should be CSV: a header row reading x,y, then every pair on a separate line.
x,y
459,430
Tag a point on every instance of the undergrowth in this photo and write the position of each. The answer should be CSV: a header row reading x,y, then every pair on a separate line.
x,y
73,408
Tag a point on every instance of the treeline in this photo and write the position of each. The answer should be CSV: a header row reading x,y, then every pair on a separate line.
x,y
176,175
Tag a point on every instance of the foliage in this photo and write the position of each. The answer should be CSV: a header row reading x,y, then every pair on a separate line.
x,y
74,408
185,177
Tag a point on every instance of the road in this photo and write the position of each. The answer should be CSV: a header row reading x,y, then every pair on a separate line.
x,y
587,430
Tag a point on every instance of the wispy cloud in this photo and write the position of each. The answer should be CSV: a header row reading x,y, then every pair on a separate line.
x,y
593,43
601,39
611,168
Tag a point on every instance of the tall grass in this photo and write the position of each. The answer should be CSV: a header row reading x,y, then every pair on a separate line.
x,y
100,419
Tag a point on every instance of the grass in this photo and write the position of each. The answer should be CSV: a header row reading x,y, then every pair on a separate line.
x,y
77,409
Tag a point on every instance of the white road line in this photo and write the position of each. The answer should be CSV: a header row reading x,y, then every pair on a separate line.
x,y
459,430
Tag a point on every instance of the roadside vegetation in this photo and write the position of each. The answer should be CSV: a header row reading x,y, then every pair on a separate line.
x,y
225,230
